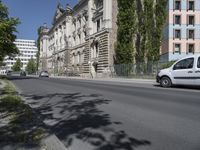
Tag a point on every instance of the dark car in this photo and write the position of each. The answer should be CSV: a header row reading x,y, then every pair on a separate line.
x,y
23,73
9,73
44,74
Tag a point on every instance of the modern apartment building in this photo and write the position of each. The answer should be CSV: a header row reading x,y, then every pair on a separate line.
x,y
182,31
81,38
27,50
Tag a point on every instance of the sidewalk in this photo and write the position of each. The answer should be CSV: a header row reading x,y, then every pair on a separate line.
x,y
122,80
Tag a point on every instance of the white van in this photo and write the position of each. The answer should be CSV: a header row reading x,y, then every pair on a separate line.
x,y
185,71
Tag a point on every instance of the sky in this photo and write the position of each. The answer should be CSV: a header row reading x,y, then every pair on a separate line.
x,y
32,14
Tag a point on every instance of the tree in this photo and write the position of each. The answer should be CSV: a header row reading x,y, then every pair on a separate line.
x,y
140,26
31,66
126,27
38,46
7,30
160,17
17,66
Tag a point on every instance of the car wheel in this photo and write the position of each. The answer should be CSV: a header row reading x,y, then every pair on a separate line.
x,y
165,82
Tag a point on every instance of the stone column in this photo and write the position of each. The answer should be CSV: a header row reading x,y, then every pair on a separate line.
x,y
90,15
55,39
107,13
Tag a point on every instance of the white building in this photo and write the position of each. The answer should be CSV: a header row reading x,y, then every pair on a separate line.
x,y
27,50
81,39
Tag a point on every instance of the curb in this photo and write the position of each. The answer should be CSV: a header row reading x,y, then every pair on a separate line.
x,y
52,143
120,80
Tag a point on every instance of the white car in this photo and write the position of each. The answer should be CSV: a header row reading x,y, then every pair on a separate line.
x,y
44,74
185,71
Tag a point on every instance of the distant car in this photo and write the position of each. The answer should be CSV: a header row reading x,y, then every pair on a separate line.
x,y
9,73
44,74
22,73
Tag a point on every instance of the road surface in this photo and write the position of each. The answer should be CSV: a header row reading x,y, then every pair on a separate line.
x,y
102,115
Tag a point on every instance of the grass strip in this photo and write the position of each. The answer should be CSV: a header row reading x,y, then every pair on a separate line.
x,y
23,126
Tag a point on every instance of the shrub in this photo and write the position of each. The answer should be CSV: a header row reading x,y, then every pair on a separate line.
x,y
9,88
11,101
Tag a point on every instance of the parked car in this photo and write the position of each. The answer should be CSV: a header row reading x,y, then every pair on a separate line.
x,y
9,73
185,71
44,74
22,73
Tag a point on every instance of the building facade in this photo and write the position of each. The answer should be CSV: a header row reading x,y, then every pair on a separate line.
x,y
27,50
81,39
182,31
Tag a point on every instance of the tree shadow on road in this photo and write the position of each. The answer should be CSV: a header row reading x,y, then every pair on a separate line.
x,y
77,117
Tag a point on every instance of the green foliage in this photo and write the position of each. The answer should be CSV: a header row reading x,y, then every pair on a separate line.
x,y
38,134
31,66
22,126
9,101
126,27
140,26
9,88
160,20
167,64
38,46
17,66
7,30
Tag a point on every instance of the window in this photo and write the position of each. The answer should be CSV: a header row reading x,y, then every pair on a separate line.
x,y
191,5
177,5
86,18
198,63
74,40
190,34
177,34
184,64
73,58
177,48
79,20
99,4
79,36
97,49
74,23
177,19
85,33
190,48
98,25
191,20
79,57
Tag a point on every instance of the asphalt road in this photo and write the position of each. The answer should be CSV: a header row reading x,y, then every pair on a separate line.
x,y
98,115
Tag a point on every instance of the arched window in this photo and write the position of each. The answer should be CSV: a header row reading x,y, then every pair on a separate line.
x,y
79,57
98,4
96,49
73,58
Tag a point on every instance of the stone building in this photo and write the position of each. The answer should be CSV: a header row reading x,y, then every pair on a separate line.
x,y
81,39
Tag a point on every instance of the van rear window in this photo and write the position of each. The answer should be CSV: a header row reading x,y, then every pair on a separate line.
x,y
198,63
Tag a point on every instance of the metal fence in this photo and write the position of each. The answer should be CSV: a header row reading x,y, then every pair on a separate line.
x,y
138,70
